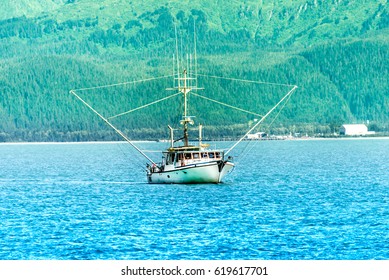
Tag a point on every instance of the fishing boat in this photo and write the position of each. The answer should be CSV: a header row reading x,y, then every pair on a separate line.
x,y
189,164
185,163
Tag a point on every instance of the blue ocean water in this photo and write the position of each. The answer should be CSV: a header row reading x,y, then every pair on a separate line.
x,y
322,199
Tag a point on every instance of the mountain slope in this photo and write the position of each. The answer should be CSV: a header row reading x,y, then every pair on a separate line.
x,y
283,22
28,8
335,51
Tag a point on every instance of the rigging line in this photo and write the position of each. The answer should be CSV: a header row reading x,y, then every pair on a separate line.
x,y
242,154
245,151
134,157
227,105
248,148
262,119
121,84
271,123
246,81
112,126
143,106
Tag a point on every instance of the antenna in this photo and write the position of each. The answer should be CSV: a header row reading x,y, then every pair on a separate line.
x,y
174,74
178,60
187,63
195,51
190,70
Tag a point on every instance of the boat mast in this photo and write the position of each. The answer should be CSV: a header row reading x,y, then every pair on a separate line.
x,y
185,85
186,119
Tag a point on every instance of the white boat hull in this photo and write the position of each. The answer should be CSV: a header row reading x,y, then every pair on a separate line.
x,y
210,172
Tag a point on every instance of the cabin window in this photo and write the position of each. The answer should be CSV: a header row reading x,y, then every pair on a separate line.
x,y
171,158
196,155
180,156
188,156
217,155
211,155
204,155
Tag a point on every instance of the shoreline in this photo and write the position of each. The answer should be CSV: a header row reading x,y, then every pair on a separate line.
x,y
150,141
72,143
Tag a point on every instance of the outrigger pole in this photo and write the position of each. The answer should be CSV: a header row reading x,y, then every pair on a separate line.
x,y
112,126
261,120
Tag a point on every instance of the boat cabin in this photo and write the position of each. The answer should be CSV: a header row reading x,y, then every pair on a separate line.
x,y
183,158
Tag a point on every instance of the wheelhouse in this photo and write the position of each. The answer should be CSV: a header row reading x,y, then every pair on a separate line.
x,y
182,158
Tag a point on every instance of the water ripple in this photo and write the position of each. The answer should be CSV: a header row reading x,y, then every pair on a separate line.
x,y
290,200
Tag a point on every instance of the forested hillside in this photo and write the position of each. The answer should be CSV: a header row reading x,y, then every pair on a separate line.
x,y
335,51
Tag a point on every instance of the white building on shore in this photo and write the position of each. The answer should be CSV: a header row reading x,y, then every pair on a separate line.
x,y
256,136
355,130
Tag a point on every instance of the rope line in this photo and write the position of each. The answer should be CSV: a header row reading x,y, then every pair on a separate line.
x,y
246,150
111,125
246,81
227,105
276,116
144,106
121,84
262,119
250,146
131,154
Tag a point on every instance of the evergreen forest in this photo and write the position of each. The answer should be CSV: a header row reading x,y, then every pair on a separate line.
x,y
249,54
